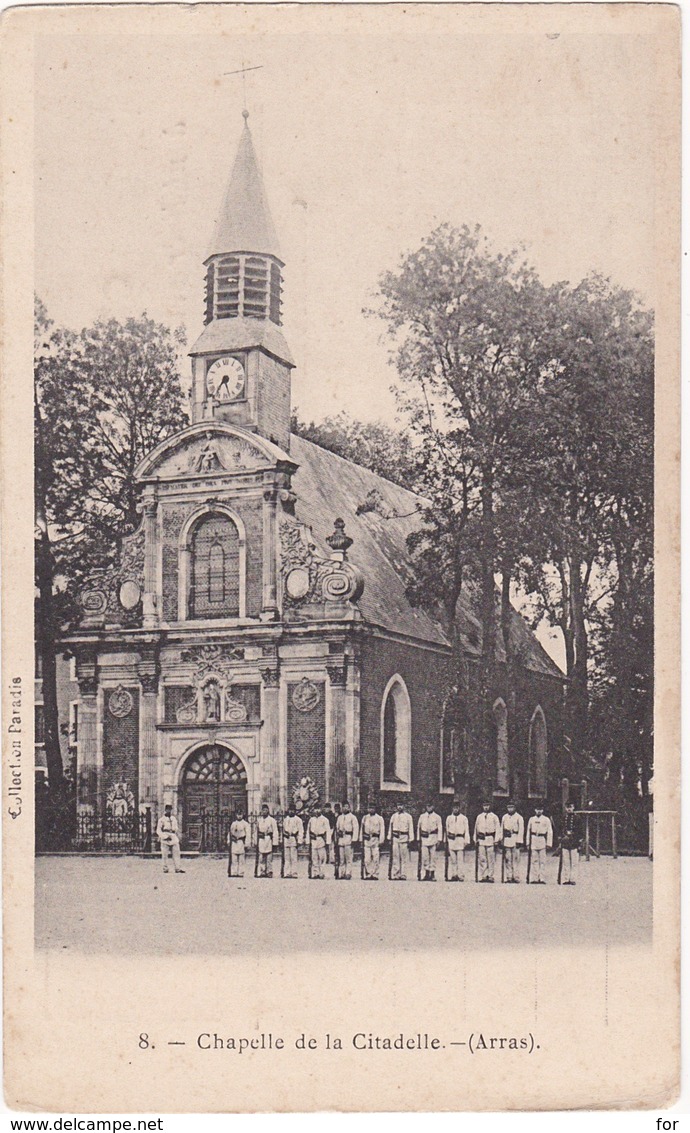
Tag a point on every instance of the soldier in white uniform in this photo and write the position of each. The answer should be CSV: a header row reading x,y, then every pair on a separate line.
x,y
400,834
293,836
266,839
539,840
429,834
373,833
238,840
457,837
319,837
346,834
513,837
167,833
487,832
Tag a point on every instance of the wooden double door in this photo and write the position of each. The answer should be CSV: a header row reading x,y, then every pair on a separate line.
x,y
214,785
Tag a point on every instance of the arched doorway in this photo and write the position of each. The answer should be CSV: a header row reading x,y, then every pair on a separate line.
x,y
213,785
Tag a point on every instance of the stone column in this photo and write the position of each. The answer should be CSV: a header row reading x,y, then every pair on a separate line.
x,y
352,713
89,758
270,736
150,598
148,736
337,786
269,603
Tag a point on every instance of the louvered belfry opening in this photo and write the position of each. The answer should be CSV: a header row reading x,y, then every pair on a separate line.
x,y
215,581
243,285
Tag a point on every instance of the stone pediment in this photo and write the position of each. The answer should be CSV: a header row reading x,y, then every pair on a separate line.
x,y
210,449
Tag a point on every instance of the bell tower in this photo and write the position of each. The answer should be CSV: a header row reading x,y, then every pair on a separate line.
x,y
241,363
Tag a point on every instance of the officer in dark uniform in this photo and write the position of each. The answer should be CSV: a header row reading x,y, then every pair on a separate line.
x,y
571,840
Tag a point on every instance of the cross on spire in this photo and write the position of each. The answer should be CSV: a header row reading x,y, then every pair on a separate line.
x,y
243,72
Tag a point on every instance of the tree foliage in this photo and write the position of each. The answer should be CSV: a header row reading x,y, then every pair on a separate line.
x,y
532,413
373,445
103,398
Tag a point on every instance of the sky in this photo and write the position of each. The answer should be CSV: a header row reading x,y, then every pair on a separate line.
x,y
367,142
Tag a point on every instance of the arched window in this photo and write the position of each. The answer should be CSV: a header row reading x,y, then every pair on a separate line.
x,y
396,737
215,569
538,754
500,715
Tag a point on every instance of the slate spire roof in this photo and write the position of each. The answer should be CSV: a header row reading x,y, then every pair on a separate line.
x,y
244,223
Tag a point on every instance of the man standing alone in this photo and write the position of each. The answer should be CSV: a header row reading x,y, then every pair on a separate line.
x,y
571,839
167,833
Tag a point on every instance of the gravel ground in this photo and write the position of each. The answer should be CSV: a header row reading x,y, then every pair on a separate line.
x,y
127,904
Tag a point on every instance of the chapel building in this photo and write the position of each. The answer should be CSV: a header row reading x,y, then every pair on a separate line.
x,y
256,643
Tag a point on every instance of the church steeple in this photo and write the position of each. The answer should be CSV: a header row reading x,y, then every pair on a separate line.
x,y
244,223
241,361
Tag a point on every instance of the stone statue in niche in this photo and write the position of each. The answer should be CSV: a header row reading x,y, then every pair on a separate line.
x,y
211,703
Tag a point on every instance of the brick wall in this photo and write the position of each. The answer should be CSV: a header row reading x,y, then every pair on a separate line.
x,y
427,677
274,401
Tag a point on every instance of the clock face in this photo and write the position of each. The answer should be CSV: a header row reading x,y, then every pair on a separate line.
x,y
225,379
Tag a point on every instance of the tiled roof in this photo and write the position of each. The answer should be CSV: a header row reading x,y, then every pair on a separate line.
x,y
241,334
328,486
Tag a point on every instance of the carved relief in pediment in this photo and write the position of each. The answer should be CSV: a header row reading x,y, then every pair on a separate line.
x,y
211,454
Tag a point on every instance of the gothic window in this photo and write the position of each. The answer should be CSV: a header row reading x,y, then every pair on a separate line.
x,y
538,754
396,737
215,569
500,715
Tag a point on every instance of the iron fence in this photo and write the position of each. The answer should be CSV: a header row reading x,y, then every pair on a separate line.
x,y
117,834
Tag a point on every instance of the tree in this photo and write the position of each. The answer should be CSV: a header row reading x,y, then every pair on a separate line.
x,y
469,331
373,445
588,461
532,408
103,399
